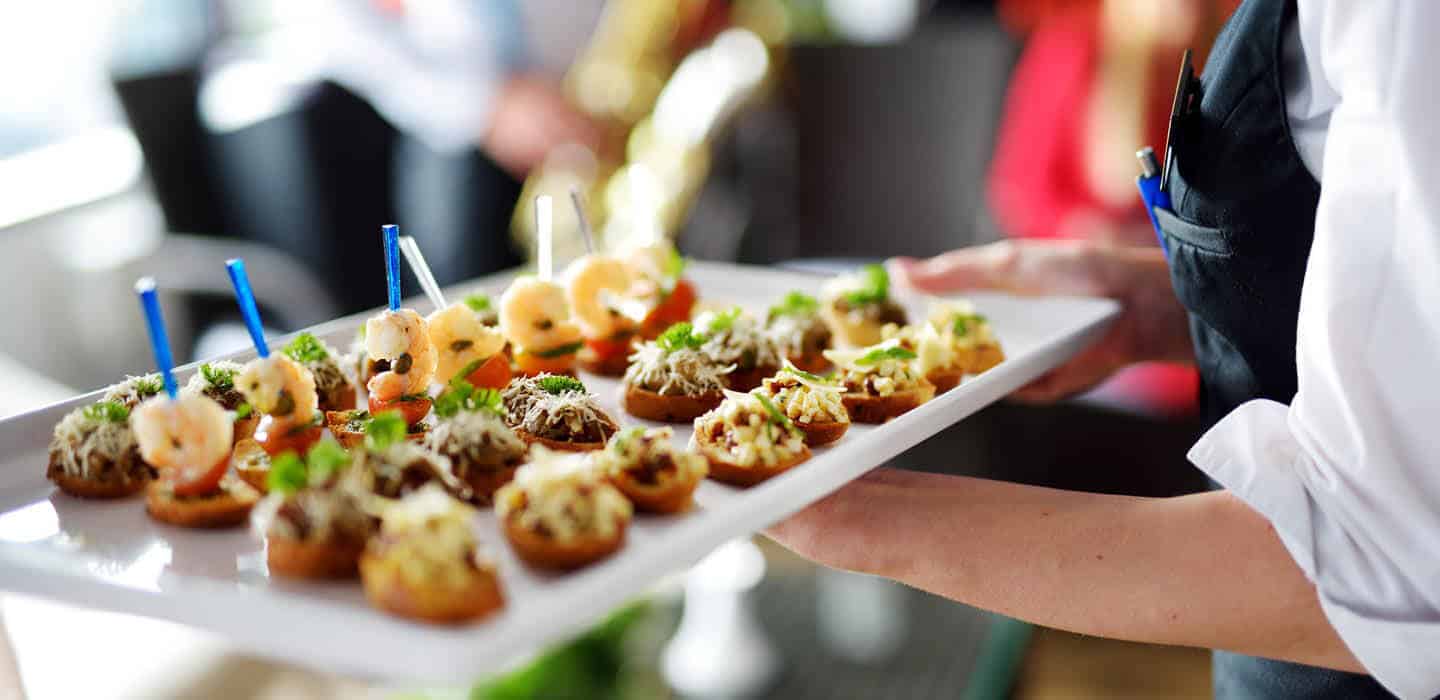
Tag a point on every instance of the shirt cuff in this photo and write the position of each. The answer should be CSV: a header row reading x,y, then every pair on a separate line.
x,y
1253,454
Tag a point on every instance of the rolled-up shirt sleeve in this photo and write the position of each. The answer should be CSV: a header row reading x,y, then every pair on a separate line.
x,y
1349,472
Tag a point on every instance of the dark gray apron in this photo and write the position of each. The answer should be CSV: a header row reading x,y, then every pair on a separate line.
x,y
1238,241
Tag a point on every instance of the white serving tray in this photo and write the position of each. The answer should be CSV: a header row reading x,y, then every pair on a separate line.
x,y
110,555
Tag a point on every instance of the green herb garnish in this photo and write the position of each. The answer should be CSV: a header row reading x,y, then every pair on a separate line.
x,y
962,324
681,336
463,396
326,457
567,349
623,438
479,303
148,385
893,352
107,412
721,321
218,378
792,369
306,349
559,384
873,287
777,417
243,411
675,264
468,369
287,474
384,430
795,303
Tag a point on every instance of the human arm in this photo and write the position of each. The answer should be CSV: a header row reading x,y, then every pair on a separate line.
x,y
1152,324
1202,570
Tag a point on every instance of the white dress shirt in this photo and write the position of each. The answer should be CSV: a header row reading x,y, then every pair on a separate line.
x,y
1349,473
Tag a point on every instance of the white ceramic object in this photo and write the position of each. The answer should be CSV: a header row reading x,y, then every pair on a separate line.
x,y
109,555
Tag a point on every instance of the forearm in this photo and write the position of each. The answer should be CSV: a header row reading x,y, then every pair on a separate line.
x,y
1199,570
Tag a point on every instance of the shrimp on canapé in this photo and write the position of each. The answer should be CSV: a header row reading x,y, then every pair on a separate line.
x,y
536,319
461,339
279,386
187,434
599,289
400,339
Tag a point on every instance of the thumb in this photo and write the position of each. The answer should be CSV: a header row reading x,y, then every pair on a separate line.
x,y
967,268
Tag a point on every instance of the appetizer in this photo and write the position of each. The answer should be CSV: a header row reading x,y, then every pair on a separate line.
x,y
484,309
598,289
881,381
732,338
661,287
800,332
93,453
468,349
470,430
536,320
976,348
747,440
188,439
644,464
402,360
935,354
283,392
349,427
401,464
561,513
217,381
671,379
332,387
314,521
426,563
858,306
813,403
556,411
134,390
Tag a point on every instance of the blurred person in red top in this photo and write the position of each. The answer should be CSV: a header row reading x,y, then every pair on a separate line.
x,y
1113,63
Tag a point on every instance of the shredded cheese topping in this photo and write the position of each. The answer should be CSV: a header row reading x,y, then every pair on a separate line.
x,y
742,344
320,512
569,416
475,438
978,332
77,440
881,378
934,349
563,497
650,455
682,372
740,431
429,536
402,464
806,401
799,335
128,392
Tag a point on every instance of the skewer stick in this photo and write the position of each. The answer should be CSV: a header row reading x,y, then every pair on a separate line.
x,y
159,341
584,222
391,235
544,233
411,250
243,296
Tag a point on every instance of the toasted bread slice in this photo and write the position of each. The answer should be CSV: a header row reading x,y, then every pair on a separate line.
x,y
228,507
745,380
82,487
945,379
338,422
562,445
251,464
643,403
484,483
673,496
728,472
814,363
980,358
245,427
386,589
867,408
334,558
545,552
817,434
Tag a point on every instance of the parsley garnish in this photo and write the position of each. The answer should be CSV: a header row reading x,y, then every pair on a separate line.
x,y
148,385
893,352
463,396
962,323
777,417
873,288
287,474
385,430
306,349
559,384
795,303
219,379
479,303
681,336
107,412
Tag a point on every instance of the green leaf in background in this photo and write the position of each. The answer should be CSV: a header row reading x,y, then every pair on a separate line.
x,y
287,474
873,287
479,303
795,303
306,349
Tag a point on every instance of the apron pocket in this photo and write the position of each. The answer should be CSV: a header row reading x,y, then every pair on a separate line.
x,y
1209,239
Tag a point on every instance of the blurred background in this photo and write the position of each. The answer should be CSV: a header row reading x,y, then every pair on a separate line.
x,y
164,136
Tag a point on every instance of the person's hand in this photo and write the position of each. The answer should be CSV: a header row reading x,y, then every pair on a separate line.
x,y
532,116
1152,324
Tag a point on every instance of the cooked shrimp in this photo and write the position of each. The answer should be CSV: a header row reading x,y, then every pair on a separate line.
x,y
651,261
189,432
533,315
279,386
598,287
461,338
402,339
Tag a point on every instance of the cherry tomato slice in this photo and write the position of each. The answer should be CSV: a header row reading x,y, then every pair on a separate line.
x,y
607,348
197,481
674,308
413,410
493,373
279,435
531,365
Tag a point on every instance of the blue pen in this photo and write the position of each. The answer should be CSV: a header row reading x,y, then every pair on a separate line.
x,y
1152,191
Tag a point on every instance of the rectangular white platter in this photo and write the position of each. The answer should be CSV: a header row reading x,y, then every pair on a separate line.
x,y
110,555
